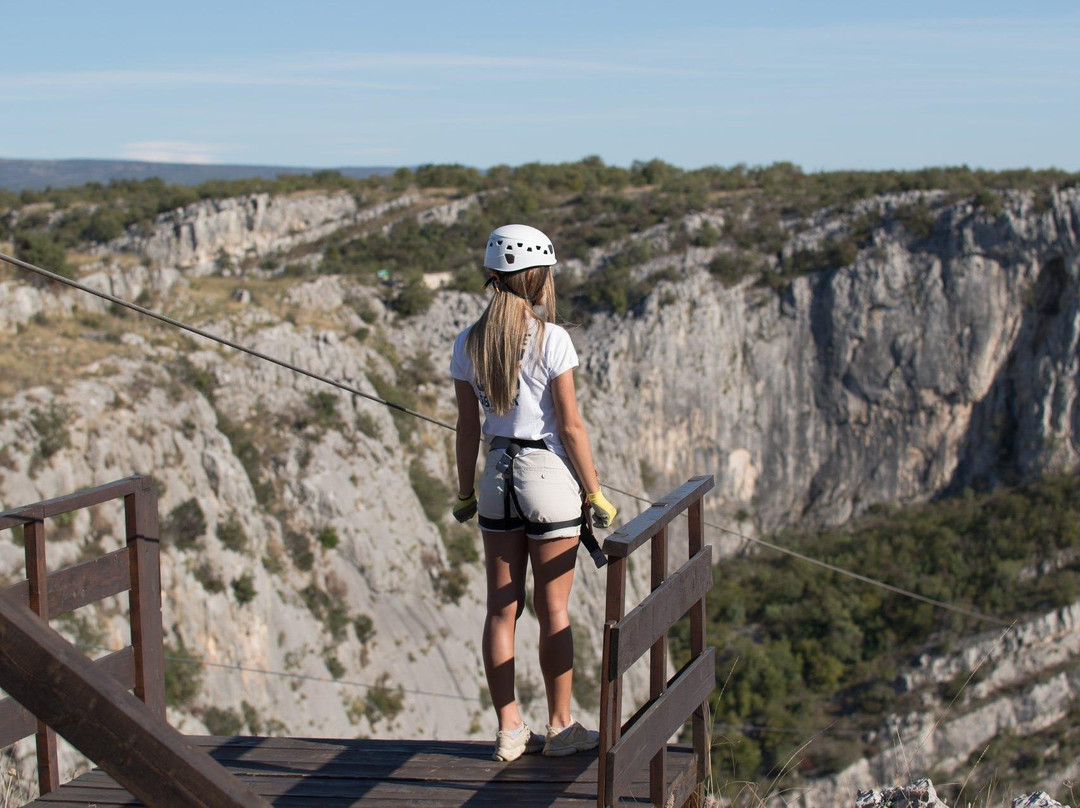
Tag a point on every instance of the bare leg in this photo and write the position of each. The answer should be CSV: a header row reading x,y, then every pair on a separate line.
x,y
506,557
553,572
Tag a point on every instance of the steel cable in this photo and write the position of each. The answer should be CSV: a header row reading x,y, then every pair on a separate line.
x,y
349,389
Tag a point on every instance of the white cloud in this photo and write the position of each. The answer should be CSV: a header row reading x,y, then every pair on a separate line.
x,y
172,151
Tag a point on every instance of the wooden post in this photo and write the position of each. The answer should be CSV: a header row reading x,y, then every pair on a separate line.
x,y
610,685
695,536
37,574
658,670
141,518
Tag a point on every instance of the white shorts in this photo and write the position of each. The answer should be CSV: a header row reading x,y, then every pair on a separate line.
x,y
546,488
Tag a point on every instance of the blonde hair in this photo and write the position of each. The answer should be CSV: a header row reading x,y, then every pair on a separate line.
x,y
496,342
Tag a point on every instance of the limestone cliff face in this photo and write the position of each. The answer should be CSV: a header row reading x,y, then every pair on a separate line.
x,y
197,236
931,362
927,364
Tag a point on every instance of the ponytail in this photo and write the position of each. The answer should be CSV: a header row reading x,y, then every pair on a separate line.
x,y
496,342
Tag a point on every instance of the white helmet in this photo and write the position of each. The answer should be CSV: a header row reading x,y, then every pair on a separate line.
x,y
514,247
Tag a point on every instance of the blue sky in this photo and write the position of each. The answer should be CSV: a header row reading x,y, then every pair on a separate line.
x,y
825,85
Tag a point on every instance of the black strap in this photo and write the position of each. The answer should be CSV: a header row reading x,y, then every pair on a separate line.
x,y
587,536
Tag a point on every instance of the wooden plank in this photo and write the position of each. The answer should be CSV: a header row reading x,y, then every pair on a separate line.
x,y
700,721
649,620
644,526
662,719
105,722
16,722
80,585
683,785
74,587
72,502
610,687
37,579
443,789
141,519
658,667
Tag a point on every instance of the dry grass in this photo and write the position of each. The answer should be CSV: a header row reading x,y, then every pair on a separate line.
x,y
14,791
211,299
52,350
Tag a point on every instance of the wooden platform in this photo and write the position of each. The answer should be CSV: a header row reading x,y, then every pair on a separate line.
x,y
308,772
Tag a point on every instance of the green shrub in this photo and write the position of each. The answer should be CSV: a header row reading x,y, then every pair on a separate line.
x,y
185,525
251,718
433,494
328,537
916,218
104,225
40,248
412,297
333,664
183,676
244,589
323,407
202,380
330,613
51,426
298,546
367,424
206,575
383,702
221,721
232,535
364,627
242,440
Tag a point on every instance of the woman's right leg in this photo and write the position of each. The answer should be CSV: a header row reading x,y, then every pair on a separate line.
x,y
506,557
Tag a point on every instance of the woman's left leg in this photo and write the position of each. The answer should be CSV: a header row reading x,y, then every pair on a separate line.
x,y
553,563
505,557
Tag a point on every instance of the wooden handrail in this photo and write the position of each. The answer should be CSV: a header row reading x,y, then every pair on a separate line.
x,y
45,673
649,522
55,688
73,502
624,748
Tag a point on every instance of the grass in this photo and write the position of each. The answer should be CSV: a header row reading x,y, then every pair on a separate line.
x,y
53,350
14,790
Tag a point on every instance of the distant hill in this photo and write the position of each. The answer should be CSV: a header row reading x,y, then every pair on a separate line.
x,y
15,175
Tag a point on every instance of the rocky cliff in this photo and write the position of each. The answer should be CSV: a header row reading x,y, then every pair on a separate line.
x,y
939,357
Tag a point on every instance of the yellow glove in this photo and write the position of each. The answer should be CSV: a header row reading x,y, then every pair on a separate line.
x,y
465,509
603,511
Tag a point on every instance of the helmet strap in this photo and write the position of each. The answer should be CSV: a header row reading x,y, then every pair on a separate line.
x,y
495,282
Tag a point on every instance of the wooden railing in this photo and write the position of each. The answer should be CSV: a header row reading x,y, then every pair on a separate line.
x,y
54,687
624,749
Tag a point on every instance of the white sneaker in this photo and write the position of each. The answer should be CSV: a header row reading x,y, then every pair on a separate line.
x,y
570,740
512,745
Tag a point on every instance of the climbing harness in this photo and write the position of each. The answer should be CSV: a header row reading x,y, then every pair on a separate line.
x,y
510,448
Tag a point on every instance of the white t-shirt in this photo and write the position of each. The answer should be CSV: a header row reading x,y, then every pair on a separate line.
x,y
533,415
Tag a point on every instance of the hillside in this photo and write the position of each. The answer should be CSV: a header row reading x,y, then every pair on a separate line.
x,y
832,347
37,175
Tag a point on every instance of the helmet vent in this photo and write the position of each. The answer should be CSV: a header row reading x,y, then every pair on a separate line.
x,y
509,259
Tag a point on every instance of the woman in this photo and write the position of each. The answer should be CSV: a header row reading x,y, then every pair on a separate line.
x,y
517,365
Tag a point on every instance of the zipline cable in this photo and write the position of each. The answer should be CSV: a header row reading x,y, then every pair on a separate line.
x,y
840,570
349,389
219,339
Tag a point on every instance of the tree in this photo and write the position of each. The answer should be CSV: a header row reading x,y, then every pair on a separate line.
x,y
39,248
